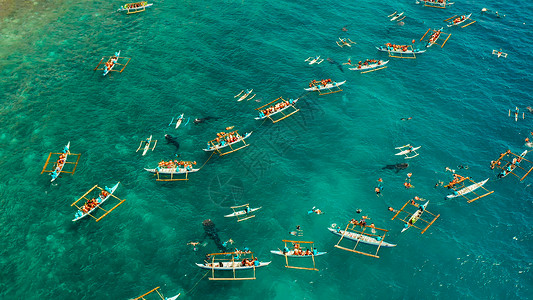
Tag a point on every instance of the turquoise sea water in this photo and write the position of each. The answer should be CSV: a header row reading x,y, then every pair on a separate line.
x,y
193,57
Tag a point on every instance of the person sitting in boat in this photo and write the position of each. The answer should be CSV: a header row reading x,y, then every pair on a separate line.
x,y
307,252
104,194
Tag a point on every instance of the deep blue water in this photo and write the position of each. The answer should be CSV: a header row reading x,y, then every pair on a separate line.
x,y
192,58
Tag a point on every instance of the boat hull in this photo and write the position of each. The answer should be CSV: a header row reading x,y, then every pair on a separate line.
x,y
242,212
328,86
468,189
230,266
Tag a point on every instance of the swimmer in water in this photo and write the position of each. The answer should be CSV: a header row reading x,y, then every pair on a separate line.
x,y
406,119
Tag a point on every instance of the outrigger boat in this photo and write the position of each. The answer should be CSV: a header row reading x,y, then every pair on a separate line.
x,y
517,113
173,168
111,62
279,106
298,251
142,297
345,42
463,190
147,143
245,95
510,166
397,16
499,53
434,37
314,60
435,3
400,51
407,150
325,84
229,139
453,21
133,8
230,264
93,203
353,233
242,214
411,219
178,122
370,65
60,163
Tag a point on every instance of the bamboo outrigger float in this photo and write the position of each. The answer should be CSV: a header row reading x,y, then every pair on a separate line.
x,y
91,204
361,236
277,110
460,189
298,251
242,212
232,140
230,264
510,166
110,63
437,3
166,171
61,162
411,218
133,8
435,36
142,297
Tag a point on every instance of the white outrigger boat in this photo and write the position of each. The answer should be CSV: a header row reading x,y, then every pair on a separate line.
x,y
59,167
133,8
314,60
360,238
178,122
238,213
467,189
396,16
290,253
174,169
231,265
406,150
415,216
223,143
276,108
511,167
399,49
459,20
246,94
499,53
319,86
147,143
370,66
99,201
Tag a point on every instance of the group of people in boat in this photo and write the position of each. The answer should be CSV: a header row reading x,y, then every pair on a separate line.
x,y
361,222
171,164
135,5
275,108
224,139
298,251
368,62
392,47
459,19
250,262
317,83
89,205
510,167
435,1
111,63
434,36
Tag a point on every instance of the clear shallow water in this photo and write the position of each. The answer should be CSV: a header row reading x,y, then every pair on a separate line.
x,y
193,57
